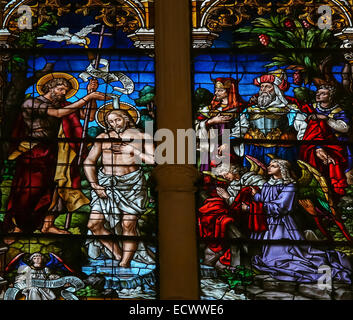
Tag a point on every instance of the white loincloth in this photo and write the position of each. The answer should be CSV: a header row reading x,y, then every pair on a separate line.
x,y
126,194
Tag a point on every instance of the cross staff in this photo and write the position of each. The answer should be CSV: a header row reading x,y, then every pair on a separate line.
x,y
87,114
89,106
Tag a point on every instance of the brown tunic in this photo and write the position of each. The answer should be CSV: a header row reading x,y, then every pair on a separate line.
x,y
38,124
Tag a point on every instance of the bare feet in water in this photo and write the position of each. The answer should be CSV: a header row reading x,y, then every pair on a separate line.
x,y
124,265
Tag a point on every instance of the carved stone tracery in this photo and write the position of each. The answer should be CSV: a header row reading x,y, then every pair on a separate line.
x,y
341,14
209,17
119,14
218,14
131,16
41,12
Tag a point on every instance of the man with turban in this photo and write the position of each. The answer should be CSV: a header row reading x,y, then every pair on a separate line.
x,y
270,116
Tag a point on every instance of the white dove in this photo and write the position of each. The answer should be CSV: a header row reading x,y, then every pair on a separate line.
x,y
79,38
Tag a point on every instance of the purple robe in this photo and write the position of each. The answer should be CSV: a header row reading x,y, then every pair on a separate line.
x,y
292,262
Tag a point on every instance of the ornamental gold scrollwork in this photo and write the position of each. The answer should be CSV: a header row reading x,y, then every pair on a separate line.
x,y
220,18
225,13
121,16
287,7
42,12
309,11
92,4
228,13
261,6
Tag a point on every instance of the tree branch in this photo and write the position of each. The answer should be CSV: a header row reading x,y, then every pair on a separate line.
x,y
48,68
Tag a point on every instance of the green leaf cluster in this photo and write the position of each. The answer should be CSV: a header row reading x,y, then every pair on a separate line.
x,y
337,233
146,96
5,188
284,37
202,98
88,291
8,169
349,190
304,95
240,276
27,39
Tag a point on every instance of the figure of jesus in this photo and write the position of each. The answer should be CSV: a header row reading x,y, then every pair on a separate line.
x,y
119,191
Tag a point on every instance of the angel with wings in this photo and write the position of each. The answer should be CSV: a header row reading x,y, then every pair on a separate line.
x,y
79,38
289,261
312,194
37,267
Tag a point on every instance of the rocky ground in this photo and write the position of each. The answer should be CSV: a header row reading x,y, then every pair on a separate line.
x,y
266,288
214,289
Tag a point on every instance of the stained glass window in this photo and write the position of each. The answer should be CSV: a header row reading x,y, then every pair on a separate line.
x,y
272,97
272,83
78,212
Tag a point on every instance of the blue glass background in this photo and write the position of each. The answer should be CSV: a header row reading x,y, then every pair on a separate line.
x,y
139,68
245,67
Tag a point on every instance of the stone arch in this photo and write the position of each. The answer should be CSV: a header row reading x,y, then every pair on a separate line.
x,y
9,11
342,4
206,14
134,4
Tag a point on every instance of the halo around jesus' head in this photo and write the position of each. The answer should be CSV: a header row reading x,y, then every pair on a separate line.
x,y
108,107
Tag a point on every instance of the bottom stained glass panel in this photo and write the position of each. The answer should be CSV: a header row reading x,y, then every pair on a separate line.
x,y
286,270
50,268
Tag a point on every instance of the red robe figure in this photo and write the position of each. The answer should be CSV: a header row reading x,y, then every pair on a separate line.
x,y
222,217
328,125
45,168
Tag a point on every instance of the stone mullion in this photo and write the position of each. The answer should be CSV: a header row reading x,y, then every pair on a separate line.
x,y
175,183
